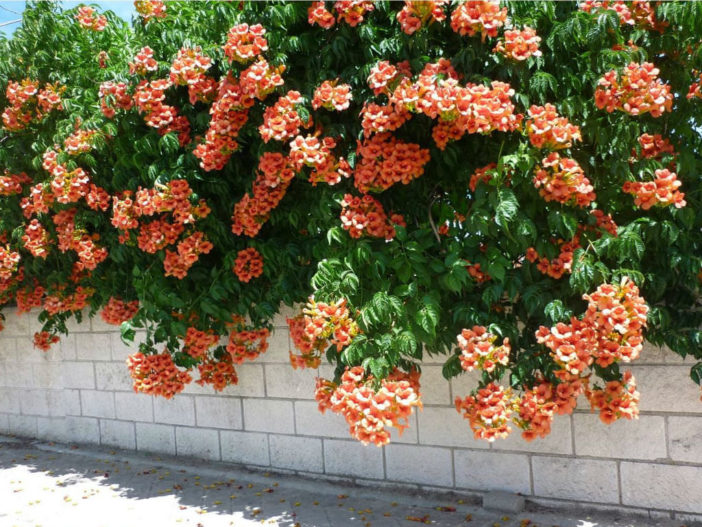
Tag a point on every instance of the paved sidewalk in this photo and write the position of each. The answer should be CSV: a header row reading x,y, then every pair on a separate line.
x,y
47,485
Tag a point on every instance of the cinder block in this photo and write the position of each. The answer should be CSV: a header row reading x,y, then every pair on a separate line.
x,y
57,403
284,382
464,384
652,354
669,487
155,438
409,435
52,428
4,423
10,400
16,325
83,429
642,438
117,433
279,346
71,402
18,375
435,389
22,425
250,382
351,458
503,501
667,389
218,412
34,402
97,404
419,464
98,325
446,427
262,415
557,442
310,421
248,448
685,435
573,479
197,442
285,312
120,350
180,410
131,406
8,350
484,470
113,376
47,375
93,346
296,453
67,347
78,374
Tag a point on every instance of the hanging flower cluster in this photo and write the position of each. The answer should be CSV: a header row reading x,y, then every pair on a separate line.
x,y
189,66
218,373
661,192
150,9
328,324
352,11
332,96
366,216
638,13
88,18
62,302
384,160
561,264
549,130
310,348
370,413
245,43
29,104
281,121
9,262
488,411
478,16
246,344
117,311
43,340
654,146
636,91
11,184
617,400
415,14
36,239
113,96
144,62
148,98
248,265
157,374
478,350
28,299
561,179
318,14
695,88
178,262
519,45
197,342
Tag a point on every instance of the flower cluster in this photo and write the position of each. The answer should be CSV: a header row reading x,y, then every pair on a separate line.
x,y
561,264
28,299
654,146
114,95
478,16
366,216
562,179
29,104
11,184
217,373
248,264
246,344
318,14
62,302
157,374
150,9
637,91
310,349
481,175
43,340
197,342
384,160
332,96
144,62
415,14
617,400
488,411
117,311
229,114
148,98
9,262
549,130
384,76
177,263
89,19
519,45
695,88
329,324
189,66
662,191
74,238
370,413
611,331
271,184
245,43
281,121
478,350
352,11
36,239
80,142
638,13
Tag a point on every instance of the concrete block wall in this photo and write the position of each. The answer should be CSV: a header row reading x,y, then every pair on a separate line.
x,y
80,391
